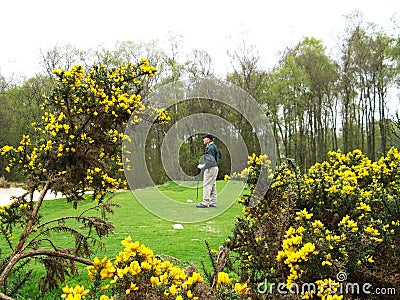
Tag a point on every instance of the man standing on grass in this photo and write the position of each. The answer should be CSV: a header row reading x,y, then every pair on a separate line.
x,y
209,164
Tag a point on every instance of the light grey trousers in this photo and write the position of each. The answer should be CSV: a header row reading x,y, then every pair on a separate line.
x,y
210,186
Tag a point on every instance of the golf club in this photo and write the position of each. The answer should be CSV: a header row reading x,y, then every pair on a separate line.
x,y
197,189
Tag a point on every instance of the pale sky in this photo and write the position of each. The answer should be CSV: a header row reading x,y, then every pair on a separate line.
x,y
28,26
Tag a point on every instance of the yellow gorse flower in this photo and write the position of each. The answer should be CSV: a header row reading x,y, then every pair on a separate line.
x,y
241,289
255,162
364,207
303,215
78,292
223,278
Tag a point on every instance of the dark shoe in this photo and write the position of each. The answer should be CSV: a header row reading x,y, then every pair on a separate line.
x,y
201,205
212,205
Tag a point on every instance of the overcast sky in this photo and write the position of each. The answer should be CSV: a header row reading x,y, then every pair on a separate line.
x,y
29,26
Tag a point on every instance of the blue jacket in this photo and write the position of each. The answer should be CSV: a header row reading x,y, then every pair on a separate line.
x,y
210,157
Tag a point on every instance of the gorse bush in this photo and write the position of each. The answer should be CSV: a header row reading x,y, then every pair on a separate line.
x,y
81,130
77,149
136,273
334,229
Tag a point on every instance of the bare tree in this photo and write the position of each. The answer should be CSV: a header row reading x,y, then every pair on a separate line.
x,y
62,57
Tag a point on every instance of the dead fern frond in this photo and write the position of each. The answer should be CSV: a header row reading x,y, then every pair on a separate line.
x,y
56,271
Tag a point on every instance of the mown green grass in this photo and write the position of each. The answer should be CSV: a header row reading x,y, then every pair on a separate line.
x,y
132,219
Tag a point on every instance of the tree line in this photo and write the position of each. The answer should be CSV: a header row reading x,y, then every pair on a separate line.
x,y
315,102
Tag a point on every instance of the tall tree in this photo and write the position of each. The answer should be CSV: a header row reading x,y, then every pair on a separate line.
x,y
20,107
322,75
301,98
248,75
199,65
63,57
367,75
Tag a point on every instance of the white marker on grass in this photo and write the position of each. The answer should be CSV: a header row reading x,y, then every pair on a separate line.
x,y
178,226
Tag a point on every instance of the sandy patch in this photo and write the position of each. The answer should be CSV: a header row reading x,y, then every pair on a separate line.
x,y
5,195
